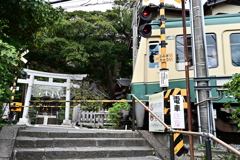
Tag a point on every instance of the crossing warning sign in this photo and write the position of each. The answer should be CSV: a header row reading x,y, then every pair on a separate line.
x,y
163,57
156,105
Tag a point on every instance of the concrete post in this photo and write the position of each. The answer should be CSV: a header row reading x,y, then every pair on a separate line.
x,y
135,34
25,119
75,115
201,66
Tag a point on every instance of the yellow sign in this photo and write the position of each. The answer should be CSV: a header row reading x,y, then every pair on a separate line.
x,y
163,58
179,1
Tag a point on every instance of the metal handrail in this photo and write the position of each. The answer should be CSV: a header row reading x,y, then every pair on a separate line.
x,y
208,135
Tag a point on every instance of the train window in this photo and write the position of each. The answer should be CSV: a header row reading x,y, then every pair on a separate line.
x,y
211,50
235,48
153,50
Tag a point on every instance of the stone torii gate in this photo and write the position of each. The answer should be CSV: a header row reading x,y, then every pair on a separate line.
x,y
50,76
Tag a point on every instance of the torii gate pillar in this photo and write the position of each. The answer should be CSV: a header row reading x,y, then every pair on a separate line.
x,y
30,81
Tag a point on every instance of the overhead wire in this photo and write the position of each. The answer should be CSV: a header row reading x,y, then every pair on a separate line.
x,y
68,4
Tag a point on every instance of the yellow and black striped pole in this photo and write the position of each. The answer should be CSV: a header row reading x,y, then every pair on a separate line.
x,y
179,148
163,40
14,106
14,87
163,33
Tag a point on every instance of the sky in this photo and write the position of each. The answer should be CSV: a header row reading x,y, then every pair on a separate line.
x,y
103,5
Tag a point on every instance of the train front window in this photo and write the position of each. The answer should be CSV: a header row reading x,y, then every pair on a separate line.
x,y
211,50
153,50
235,48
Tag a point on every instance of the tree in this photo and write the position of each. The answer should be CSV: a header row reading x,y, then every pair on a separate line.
x,y
87,42
23,18
234,91
20,21
170,5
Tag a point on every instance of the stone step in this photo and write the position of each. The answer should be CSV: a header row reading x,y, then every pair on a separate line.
x,y
79,133
31,142
81,153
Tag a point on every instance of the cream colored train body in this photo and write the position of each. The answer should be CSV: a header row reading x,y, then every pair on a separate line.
x,y
222,36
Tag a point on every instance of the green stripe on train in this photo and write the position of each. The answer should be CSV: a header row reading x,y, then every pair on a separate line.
x,y
141,90
209,20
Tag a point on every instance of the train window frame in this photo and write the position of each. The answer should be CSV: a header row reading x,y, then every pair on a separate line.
x,y
151,64
211,52
235,46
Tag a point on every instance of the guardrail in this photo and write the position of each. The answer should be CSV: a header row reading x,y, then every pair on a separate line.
x,y
171,131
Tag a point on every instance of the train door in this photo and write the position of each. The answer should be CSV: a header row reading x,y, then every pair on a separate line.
x,y
231,52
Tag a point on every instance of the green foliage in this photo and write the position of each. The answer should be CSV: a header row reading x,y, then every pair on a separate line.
x,y
233,92
170,5
230,156
61,115
8,66
2,122
32,113
87,92
23,18
114,117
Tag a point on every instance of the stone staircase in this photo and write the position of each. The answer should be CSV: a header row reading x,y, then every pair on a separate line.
x,y
48,143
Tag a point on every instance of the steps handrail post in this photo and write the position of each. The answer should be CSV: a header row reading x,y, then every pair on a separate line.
x,y
208,148
133,113
171,146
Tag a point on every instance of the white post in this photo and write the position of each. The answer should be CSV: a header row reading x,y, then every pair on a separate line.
x,y
67,108
25,119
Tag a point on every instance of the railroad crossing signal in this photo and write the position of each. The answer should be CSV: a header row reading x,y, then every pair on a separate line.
x,y
163,57
147,14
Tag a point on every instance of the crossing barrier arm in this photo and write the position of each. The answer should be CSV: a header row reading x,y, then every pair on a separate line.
x,y
78,101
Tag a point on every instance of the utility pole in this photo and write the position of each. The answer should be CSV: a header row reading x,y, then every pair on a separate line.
x,y
200,60
135,33
189,111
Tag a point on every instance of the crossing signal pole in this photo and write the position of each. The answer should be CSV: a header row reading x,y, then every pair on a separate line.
x,y
163,71
15,106
145,30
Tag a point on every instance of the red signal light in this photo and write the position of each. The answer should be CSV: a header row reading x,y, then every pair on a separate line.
x,y
145,13
145,30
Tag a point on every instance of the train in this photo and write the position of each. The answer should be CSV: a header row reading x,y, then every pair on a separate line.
x,y
223,53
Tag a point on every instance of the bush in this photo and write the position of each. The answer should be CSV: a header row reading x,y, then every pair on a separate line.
x,y
233,87
32,113
117,107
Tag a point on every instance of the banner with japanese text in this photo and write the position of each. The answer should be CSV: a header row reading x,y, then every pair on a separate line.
x,y
177,112
156,105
